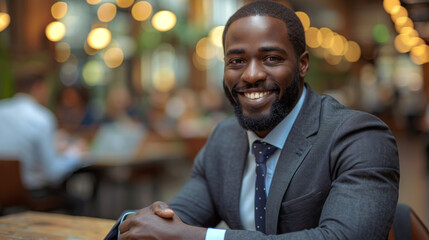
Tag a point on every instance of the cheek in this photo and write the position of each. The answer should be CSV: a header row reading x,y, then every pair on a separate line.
x,y
231,78
284,79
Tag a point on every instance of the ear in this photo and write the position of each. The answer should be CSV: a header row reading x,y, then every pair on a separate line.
x,y
304,64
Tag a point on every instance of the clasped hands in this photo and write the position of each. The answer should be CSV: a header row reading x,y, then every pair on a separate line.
x,y
158,221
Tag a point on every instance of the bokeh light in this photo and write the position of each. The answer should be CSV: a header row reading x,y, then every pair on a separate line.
x,y
409,31
353,52
205,49
106,12
59,10
124,3
338,45
381,33
305,20
163,79
113,57
401,43
62,52
92,73
4,21
313,37
215,35
390,4
345,45
403,22
327,37
99,38
164,20
404,42
397,12
141,11
55,31
420,54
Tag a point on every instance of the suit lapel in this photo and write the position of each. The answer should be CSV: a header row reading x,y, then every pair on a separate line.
x,y
234,176
293,153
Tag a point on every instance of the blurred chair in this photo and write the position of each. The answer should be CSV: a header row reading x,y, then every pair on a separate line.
x,y
12,191
407,225
13,194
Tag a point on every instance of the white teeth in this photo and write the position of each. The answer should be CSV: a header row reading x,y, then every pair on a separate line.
x,y
255,95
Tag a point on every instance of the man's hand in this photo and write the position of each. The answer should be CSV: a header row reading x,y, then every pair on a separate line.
x,y
158,221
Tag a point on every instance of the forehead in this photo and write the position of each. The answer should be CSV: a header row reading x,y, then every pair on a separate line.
x,y
261,29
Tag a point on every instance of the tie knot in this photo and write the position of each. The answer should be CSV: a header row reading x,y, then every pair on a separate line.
x,y
262,151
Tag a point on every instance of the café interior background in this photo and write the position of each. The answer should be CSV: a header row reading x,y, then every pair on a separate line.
x,y
160,63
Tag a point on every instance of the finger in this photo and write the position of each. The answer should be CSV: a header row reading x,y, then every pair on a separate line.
x,y
126,223
123,236
162,210
124,227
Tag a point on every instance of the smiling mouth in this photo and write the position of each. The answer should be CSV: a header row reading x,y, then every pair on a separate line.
x,y
255,95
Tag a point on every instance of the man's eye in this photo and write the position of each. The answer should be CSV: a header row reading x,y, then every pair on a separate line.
x,y
273,59
236,61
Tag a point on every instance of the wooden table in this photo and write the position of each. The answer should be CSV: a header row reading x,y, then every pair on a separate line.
x,y
148,153
49,226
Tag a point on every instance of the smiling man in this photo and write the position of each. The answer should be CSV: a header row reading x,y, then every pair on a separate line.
x,y
292,165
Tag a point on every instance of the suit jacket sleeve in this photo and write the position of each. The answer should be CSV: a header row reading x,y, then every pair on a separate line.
x,y
364,169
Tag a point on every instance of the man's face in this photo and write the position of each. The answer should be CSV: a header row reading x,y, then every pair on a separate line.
x,y
262,75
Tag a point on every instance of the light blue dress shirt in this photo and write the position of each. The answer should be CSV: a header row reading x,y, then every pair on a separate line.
x,y
276,137
27,132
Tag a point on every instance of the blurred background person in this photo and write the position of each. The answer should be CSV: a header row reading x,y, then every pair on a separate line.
x,y
75,113
121,130
28,131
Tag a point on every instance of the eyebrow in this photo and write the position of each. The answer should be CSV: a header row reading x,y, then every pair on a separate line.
x,y
271,49
261,49
235,51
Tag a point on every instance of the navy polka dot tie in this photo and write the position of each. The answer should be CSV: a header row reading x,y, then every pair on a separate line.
x,y
262,152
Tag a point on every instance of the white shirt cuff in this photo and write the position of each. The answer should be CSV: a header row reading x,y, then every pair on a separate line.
x,y
215,234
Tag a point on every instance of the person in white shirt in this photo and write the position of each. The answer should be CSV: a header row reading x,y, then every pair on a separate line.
x,y
27,133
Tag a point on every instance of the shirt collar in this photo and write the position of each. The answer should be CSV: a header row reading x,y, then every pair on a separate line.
x,y
277,137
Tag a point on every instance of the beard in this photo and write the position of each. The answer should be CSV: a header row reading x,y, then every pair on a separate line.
x,y
279,109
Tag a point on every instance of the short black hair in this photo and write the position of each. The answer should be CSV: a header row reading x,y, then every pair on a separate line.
x,y
276,10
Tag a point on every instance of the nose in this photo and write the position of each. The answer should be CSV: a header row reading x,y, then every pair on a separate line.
x,y
253,73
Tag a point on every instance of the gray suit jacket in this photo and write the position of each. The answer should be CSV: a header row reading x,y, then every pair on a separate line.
x,y
337,178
